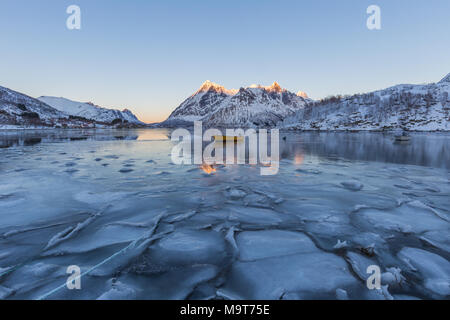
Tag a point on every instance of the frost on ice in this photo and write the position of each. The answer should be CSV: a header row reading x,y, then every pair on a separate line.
x,y
169,232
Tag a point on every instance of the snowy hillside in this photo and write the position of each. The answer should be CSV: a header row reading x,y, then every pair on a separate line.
x,y
247,107
15,104
89,110
19,110
410,107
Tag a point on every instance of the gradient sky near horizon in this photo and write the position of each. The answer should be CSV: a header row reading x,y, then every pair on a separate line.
x,y
150,55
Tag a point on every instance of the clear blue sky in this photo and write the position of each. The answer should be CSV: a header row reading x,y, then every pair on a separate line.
x,y
150,55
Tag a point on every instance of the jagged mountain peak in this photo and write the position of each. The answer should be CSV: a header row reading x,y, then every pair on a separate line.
x,y
302,94
446,79
249,106
209,86
275,87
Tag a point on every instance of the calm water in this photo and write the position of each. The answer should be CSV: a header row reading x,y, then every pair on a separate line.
x,y
140,227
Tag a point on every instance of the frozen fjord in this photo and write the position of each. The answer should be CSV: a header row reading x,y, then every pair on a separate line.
x,y
142,228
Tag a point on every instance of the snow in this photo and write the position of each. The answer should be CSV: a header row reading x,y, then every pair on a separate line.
x,y
10,100
211,86
393,276
411,107
88,110
340,244
247,107
21,112
445,80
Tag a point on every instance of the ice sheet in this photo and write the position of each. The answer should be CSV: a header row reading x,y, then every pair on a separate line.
x,y
140,227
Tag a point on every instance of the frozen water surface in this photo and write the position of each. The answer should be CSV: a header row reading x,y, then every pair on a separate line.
x,y
140,227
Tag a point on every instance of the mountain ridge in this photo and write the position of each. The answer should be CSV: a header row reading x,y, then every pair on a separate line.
x,y
414,107
89,110
20,111
420,107
445,79
251,106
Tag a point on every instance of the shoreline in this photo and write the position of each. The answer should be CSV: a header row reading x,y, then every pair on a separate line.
x,y
10,129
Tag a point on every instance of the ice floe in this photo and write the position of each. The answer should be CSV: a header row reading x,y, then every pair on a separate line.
x,y
254,245
173,232
434,269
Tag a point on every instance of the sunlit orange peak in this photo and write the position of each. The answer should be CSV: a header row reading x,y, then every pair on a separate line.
x,y
211,86
302,94
275,87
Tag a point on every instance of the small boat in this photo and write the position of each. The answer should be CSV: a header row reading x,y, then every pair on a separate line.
x,y
229,138
402,138
401,135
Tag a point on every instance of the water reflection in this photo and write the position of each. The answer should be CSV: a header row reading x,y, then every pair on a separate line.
x,y
32,141
425,149
208,169
153,135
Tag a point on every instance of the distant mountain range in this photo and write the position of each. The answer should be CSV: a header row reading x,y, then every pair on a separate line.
x,y
405,106
18,110
409,107
254,106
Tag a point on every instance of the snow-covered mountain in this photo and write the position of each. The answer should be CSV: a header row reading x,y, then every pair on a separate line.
x,y
405,106
19,110
90,111
254,106
15,104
